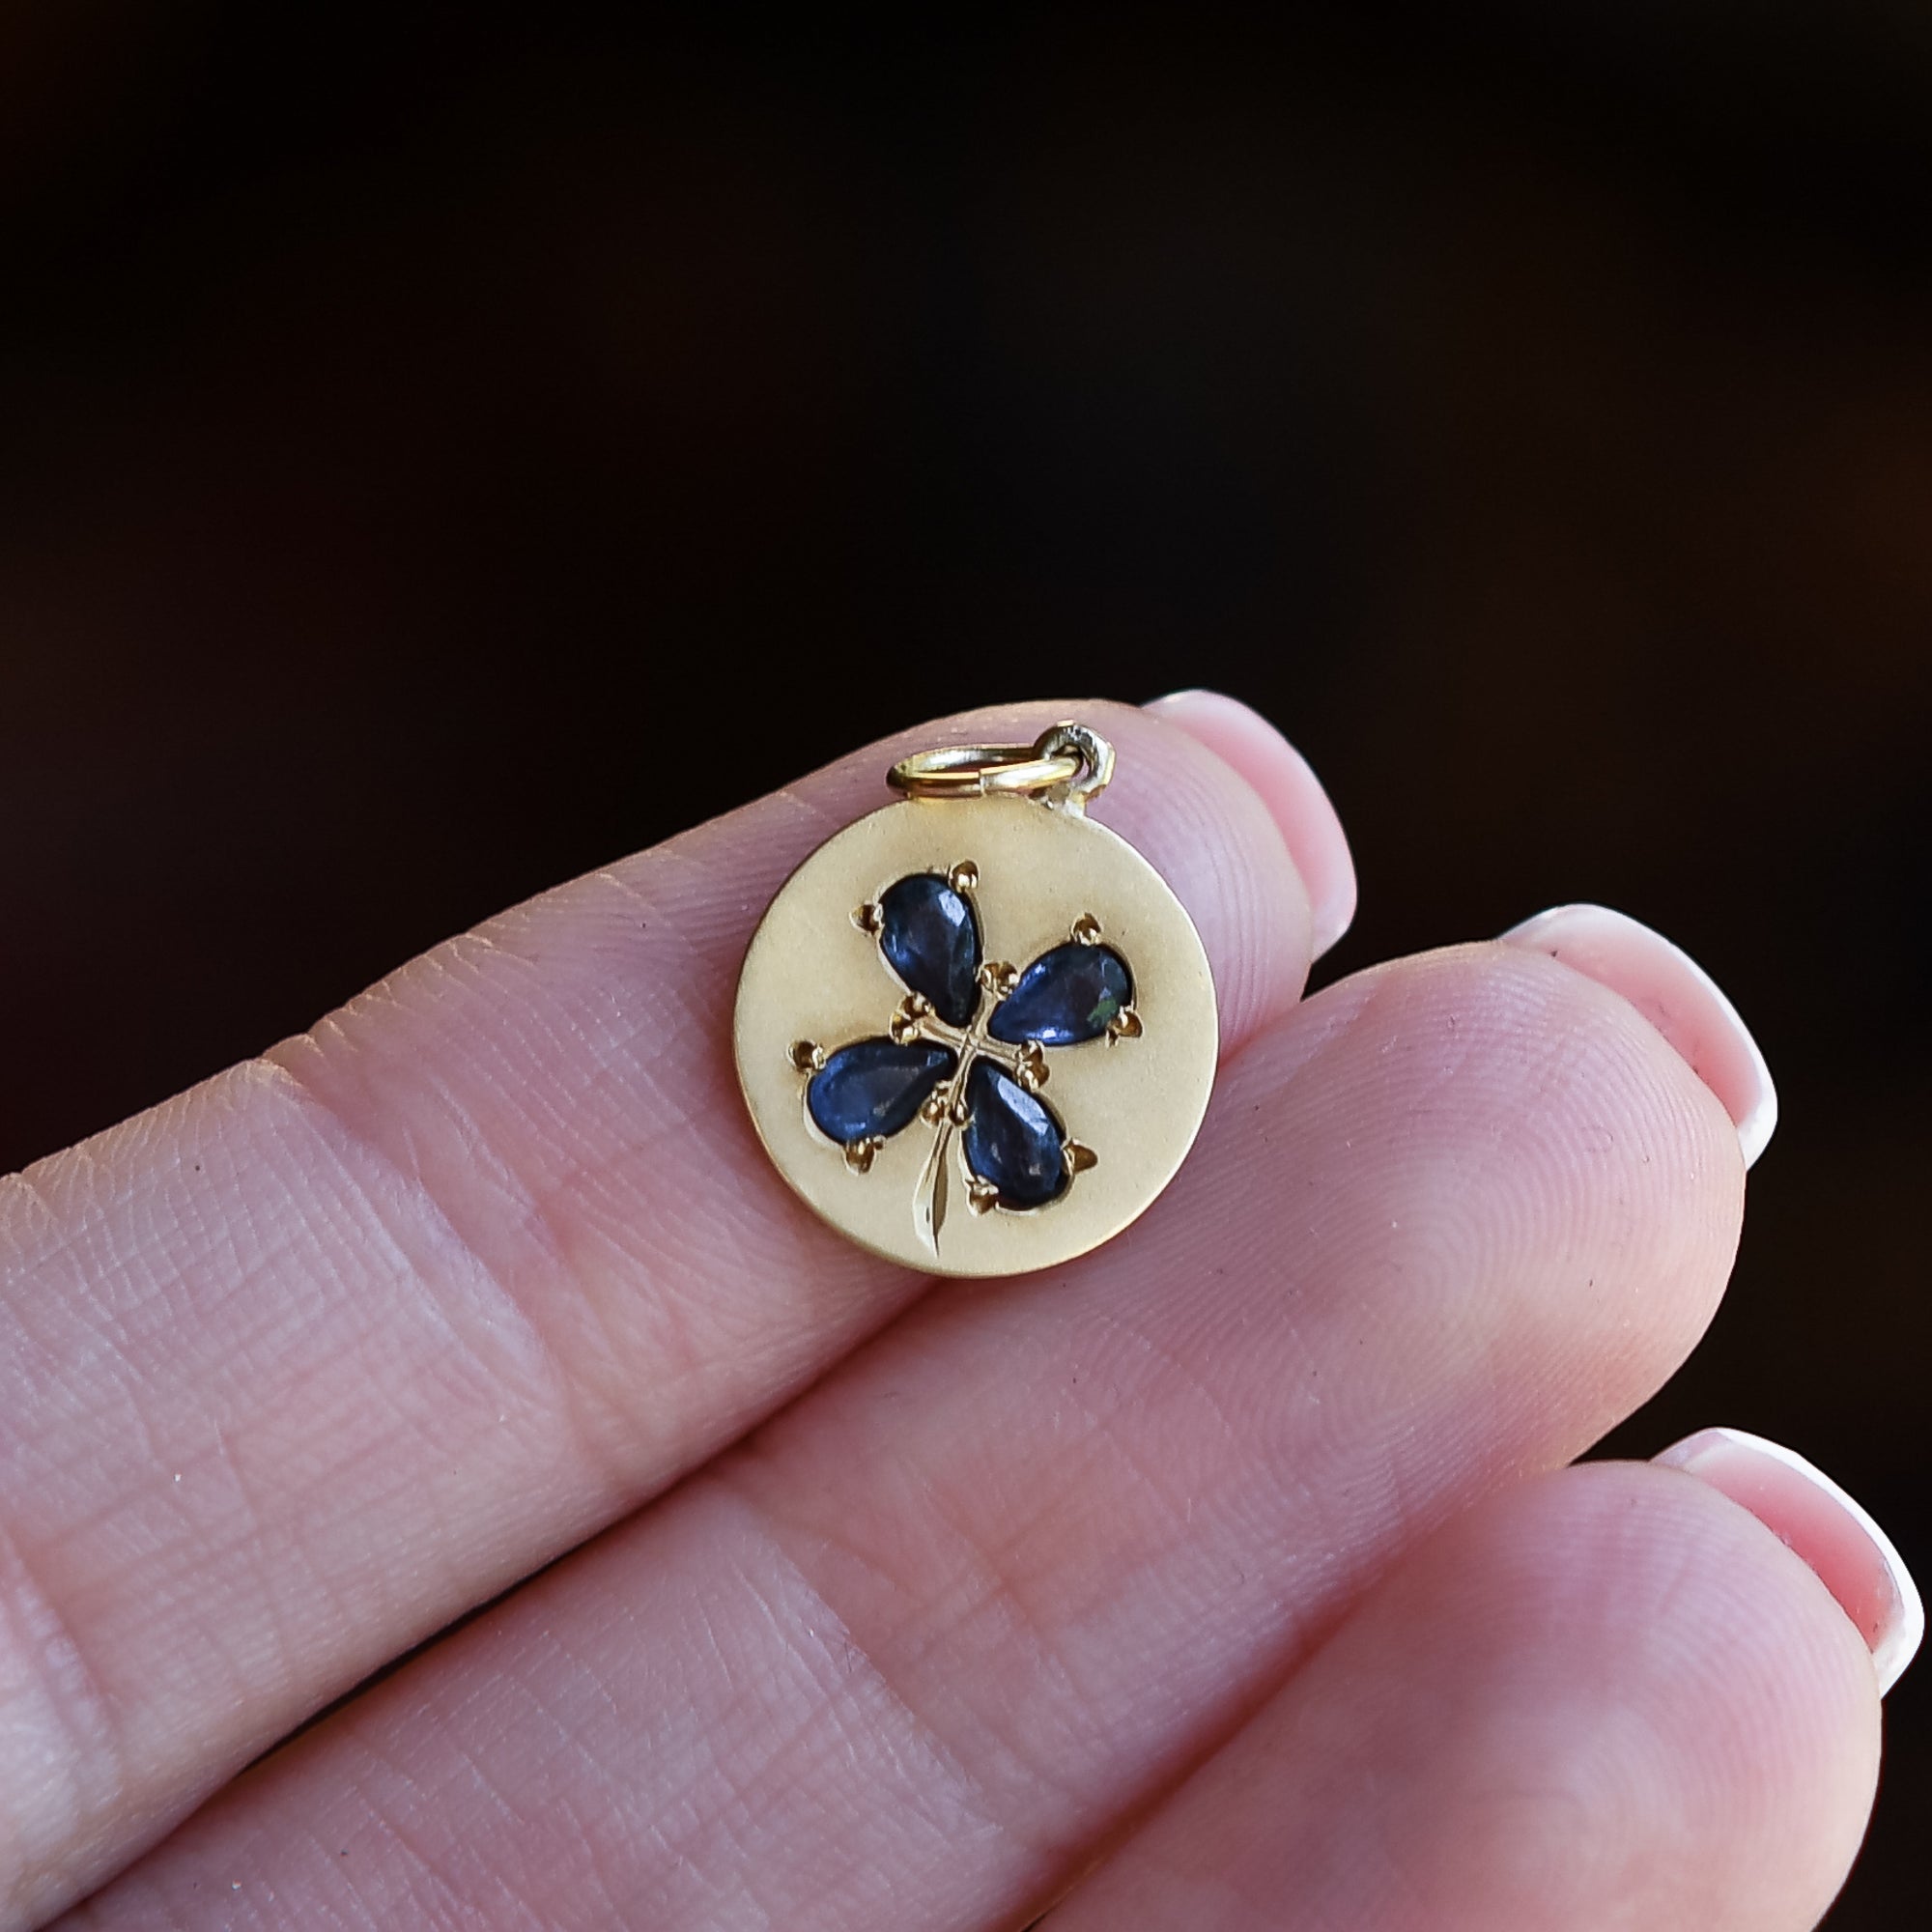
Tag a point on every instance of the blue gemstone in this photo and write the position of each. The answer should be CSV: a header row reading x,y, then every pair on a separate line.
x,y
1066,995
875,1087
932,940
1012,1139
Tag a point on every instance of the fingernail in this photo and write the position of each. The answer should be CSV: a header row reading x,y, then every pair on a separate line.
x,y
1675,995
1853,1556
1287,786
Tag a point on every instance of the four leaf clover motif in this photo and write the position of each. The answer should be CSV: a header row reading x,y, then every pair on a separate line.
x,y
966,1048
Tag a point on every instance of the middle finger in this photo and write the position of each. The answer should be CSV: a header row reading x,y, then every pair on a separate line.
x,y
903,1657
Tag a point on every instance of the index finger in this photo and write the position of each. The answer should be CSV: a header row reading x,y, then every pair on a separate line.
x,y
300,1366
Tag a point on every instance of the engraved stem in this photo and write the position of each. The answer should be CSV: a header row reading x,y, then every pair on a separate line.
x,y
930,1201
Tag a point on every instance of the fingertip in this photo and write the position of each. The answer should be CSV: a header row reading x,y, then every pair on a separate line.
x,y
1676,995
1830,1529
1596,1699
1287,785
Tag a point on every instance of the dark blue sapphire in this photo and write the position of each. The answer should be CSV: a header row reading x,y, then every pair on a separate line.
x,y
930,938
1012,1139
875,1087
1066,995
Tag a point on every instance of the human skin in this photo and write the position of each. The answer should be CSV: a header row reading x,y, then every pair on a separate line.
x,y
1232,1575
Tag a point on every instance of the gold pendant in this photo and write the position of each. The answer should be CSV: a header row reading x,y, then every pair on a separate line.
x,y
936,1102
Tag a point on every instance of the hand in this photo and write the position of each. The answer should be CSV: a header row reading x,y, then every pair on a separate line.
x,y
1238,1559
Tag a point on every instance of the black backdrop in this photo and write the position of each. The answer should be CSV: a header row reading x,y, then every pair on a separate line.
x,y
438,454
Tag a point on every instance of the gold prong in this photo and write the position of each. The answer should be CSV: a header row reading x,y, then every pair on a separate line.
x,y
996,977
1124,1025
1086,930
982,1196
965,877
1030,1070
932,1109
806,1056
867,918
959,1112
1076,1157
904,1026
859,1153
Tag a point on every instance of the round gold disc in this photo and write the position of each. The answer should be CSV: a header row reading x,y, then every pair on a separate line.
x,y
1130,1102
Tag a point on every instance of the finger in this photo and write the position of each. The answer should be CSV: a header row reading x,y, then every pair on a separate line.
x,y
1606,1699
1294,794
1851,1556
297,1368
915,1645
1676,995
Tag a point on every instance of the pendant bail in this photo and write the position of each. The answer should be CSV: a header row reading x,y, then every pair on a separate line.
x,y
1065,765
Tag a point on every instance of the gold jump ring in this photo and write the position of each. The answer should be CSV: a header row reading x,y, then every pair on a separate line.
x,y
1066,764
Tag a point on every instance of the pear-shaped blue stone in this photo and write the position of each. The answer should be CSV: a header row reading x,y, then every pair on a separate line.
x,y
1066,995
1012,1139
875,1087
930,938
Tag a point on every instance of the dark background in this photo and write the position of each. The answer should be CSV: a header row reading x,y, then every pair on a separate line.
x,y
438,455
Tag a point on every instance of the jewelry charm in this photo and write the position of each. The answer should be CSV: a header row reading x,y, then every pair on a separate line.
x,y
936,1102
